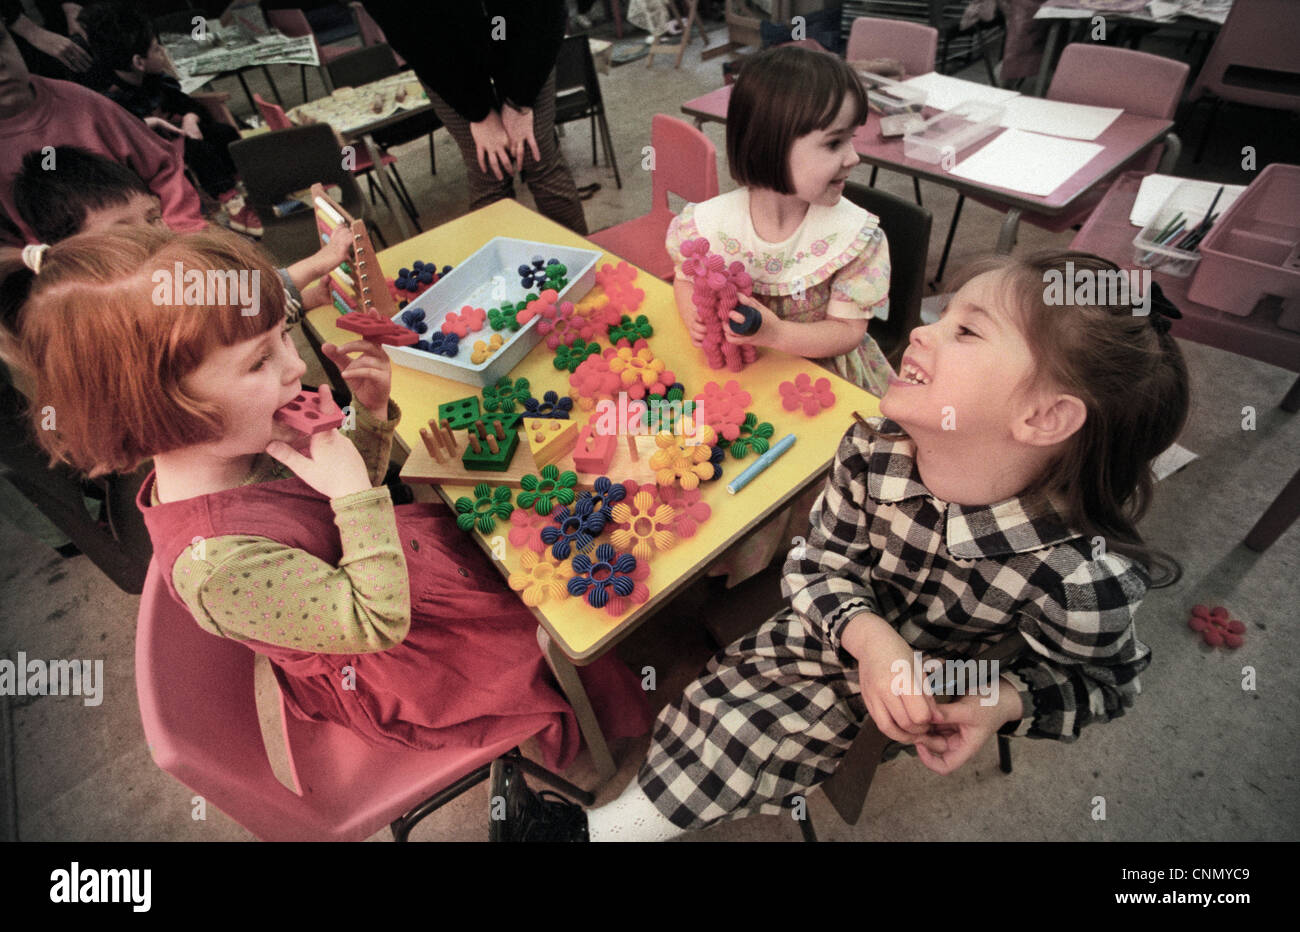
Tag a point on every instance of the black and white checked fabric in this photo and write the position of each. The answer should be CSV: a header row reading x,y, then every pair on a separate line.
x,y
773,712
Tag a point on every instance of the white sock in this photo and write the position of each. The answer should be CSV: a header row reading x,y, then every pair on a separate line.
x,y
631,817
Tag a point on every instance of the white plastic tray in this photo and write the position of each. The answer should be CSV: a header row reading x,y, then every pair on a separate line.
x,y
487,279
952,131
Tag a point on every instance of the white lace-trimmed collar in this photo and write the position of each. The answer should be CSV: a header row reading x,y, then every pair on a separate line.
x,y
826,241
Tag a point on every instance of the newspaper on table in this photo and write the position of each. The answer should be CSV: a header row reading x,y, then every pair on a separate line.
x,y
350,107
231,48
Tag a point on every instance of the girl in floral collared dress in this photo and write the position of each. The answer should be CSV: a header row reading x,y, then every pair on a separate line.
x,y
820,264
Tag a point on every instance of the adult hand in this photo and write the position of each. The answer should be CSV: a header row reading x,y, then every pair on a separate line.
x,y
492,144
61,47
333,466
369,375
190,126
519,130
71,12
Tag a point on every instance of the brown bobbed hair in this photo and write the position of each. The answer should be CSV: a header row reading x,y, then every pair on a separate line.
x,y
1133,382
780,95
104,363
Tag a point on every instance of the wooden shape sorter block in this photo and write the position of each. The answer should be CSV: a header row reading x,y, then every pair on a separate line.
x,y
304,415
461,413
366,288
370,326
550,438
594,451
490,449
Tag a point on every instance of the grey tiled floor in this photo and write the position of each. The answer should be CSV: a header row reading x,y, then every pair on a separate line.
x,y
1199,758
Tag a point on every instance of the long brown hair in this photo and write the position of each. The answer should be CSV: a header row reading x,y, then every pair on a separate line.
x,y
1131,377
103,351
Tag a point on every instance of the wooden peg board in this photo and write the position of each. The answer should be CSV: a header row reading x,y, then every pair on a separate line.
x,y
422,468
367,288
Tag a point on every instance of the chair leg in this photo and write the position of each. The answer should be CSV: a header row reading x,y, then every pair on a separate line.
x,y
433,157
875,170
247,93
947,243
302,71
1209,126
555,780
609,149
916,186
593,140
404,195
1004,753
401,827
806,828
377,233
271,81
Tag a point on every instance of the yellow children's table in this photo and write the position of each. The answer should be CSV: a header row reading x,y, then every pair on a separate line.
x,y
570,631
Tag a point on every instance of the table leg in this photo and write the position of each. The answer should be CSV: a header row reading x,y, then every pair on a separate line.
x,y
390,195
1279,516
1007,238
1053,38
576,693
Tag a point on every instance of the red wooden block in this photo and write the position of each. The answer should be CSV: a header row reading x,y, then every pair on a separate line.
x,y
594,452
371,326
304,414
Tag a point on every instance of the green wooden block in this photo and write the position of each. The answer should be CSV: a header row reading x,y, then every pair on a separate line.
x,y
486,460
460,413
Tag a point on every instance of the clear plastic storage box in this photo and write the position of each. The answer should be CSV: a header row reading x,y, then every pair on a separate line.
x,y
1189,200
952,131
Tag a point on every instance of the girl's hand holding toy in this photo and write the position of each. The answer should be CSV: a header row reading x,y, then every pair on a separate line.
x,y
768,332
334,467
369,375
965,725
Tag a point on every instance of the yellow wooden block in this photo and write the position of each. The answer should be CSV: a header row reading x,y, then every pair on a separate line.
x,y
550,438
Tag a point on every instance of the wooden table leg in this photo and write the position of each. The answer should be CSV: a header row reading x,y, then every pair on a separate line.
x,y
394,202
1279,516
576,693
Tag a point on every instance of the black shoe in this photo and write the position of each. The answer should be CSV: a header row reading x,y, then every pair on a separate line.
x,y
529,816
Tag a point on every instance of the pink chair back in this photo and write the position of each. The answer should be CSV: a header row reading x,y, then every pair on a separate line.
x,y
1257,34
686,163
273,115
371,34
196,695
1138,82
913,44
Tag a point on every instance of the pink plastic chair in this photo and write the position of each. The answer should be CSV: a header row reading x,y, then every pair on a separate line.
x,y
686,163
1104,76
293,23
1258,36
370,32
200,717
913,44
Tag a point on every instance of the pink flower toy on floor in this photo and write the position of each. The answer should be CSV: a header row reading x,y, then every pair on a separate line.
x,y
716,286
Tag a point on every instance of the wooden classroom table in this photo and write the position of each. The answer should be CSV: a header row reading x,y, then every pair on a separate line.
x,y
1122,141
570,631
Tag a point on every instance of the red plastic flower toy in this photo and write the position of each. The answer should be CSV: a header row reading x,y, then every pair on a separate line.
x,y
1216,628
804,393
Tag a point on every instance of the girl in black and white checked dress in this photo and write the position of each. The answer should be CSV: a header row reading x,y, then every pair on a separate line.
x,y
999,494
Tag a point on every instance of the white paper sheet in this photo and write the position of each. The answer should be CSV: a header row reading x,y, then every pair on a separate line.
x,y
1170,461
1074,121
1156,189
1027,162
944,93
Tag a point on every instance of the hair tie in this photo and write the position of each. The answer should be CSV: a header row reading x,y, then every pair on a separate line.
x,y
34,255
1163,311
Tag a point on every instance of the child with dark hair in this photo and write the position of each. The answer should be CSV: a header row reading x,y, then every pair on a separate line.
x,y
42,113
819,263
125,42
88,193
999,495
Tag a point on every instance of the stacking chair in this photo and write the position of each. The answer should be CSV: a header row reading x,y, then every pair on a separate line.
x,y
685,163
119,545
370,64
1100,76
197,703
276,120
275,165
1253,61
294,23
847,787
907,228
578,97
912,44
